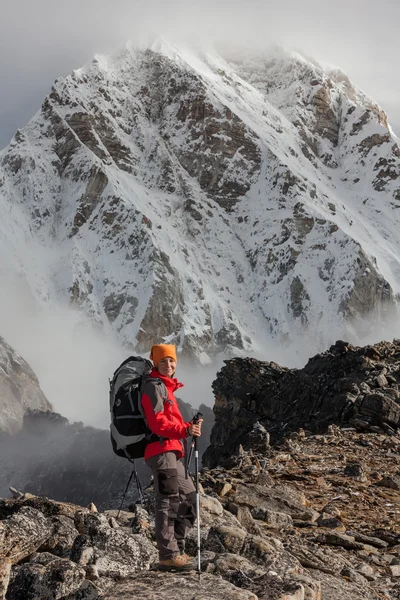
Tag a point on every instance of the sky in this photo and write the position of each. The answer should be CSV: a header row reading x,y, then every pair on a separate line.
x,y
43,40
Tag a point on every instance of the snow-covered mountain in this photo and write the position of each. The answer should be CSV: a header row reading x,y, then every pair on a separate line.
x,y
210,200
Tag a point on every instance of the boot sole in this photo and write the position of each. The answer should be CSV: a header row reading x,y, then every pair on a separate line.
x,y
184,569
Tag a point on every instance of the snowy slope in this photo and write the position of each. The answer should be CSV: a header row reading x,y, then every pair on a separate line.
x,y
212,201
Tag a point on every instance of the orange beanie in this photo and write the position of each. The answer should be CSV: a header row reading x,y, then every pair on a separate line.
x,y
160,351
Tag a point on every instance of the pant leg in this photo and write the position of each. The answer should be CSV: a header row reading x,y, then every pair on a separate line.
x,y
166,491
187,506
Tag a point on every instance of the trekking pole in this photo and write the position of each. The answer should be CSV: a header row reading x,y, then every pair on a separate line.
x,y
196,463
125,492
196,466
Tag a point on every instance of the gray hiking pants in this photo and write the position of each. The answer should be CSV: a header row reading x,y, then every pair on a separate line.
x,y
175,503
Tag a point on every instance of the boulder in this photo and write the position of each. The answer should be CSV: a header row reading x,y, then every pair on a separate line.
x,y
115,553
45,577
23,533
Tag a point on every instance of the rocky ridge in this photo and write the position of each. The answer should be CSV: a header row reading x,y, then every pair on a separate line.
x,y
357,386
19,389
163,192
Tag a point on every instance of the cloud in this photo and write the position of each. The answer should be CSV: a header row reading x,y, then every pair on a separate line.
x,y
74,360
42,40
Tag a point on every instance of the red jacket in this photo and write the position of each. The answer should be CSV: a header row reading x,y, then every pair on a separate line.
x,y
163,416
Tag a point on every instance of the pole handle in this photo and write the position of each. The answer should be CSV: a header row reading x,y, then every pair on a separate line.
x,y
197,418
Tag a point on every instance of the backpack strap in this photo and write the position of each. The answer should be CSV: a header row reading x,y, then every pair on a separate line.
x,y
156,391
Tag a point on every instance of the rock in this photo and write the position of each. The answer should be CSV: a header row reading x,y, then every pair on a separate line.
x,y
23,533
211,505
142,522
390,481
225,538
47,578
270,586
258,438
387,535
368,571
5,572
356,470
114,552
312,588
236,568
246,520
46,506
334,588
16,494
346,541
226,488
381,381
148,586
368,539
87,591
353,575
125,517
329,522
276,520
19,389
62,537
278,499
259,550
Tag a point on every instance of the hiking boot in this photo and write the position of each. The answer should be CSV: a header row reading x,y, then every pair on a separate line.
x,y
178,563
188,559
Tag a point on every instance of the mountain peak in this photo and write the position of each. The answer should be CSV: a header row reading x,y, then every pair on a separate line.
x,y
214,200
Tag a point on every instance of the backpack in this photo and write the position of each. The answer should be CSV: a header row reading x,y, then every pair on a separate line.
x,y
129,431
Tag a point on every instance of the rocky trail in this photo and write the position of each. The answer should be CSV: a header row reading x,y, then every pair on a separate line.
x,y
317,517
301,513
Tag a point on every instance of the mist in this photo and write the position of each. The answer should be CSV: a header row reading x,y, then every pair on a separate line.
x,y
73,359
43,40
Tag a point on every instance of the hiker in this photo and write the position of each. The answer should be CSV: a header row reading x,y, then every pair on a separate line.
x,y
175,495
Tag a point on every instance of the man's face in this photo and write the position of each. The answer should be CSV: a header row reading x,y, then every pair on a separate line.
x,y
166,366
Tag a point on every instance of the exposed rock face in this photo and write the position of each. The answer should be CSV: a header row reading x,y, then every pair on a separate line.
x,y
19,389
354,385
169,192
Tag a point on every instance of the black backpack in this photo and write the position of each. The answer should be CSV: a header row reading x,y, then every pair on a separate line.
x,y
129,431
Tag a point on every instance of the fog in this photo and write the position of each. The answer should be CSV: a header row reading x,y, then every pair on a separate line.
x,y
42,40
74,361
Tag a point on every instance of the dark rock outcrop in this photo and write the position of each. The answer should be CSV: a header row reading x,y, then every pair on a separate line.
x,y
346,385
